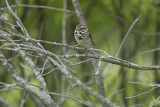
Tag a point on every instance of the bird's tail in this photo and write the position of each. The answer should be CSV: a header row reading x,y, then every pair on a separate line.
x,y
92,41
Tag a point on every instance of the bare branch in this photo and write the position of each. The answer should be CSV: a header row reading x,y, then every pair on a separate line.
x,y
141,93
156,1
72,97
44,66
124,39
41,6
64,26
5,102
155,101
79,11
82,85
112,60
145,52
116,61
154,85
109,59
18,20
23,84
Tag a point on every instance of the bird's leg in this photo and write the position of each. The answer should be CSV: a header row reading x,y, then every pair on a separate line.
x,y
76,45
86,49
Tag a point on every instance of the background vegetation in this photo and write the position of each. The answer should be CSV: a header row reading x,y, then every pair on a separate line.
x,y
108,21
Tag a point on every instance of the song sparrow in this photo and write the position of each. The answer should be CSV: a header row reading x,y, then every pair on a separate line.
x,y
83,36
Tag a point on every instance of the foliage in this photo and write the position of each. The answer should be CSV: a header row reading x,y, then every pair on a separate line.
x,y
108,22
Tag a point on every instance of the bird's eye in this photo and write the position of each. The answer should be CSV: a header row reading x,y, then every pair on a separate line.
x,y
82,28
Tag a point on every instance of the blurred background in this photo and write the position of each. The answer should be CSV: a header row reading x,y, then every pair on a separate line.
x,y
108,21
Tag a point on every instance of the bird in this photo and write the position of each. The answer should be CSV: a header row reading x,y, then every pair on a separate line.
x,y
83,36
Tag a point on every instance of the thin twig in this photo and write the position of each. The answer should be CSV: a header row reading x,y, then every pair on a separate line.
x,y
141,93
5,102
154,85
41,6
72,97
44,66
19,23
145,52
155,101
124,39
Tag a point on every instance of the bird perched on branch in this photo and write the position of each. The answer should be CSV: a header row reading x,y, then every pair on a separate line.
x,y
83,36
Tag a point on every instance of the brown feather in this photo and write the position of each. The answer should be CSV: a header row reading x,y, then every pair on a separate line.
x,y
92,41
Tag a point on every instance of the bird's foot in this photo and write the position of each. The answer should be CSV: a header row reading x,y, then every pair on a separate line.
x,y
76,45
